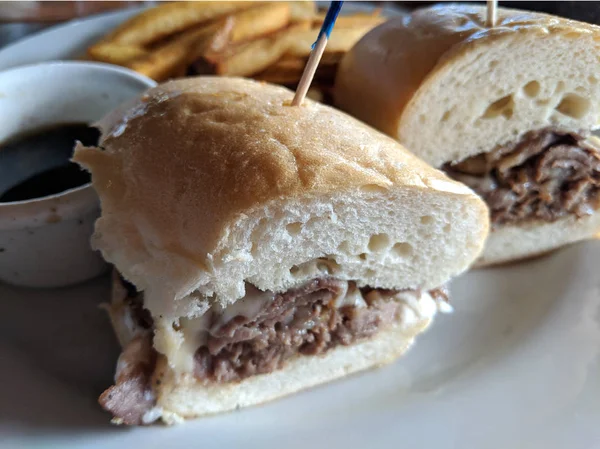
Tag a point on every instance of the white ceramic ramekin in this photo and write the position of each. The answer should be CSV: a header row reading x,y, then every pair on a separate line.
x,y
45,242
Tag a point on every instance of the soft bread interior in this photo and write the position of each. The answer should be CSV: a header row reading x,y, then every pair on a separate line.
x,y
492,90
209,183
409,238
404,239
510,243
183,397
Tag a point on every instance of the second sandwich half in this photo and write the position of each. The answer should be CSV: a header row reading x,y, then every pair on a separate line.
x,y
508,110
264,248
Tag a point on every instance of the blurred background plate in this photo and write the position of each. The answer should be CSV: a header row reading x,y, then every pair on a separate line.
x,y
29,33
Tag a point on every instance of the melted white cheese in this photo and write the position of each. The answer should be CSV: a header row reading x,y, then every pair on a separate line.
x,y
350,296
193,333
249,306
152,415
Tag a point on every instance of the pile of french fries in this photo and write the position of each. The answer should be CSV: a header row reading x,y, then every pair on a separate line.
x,y
268,41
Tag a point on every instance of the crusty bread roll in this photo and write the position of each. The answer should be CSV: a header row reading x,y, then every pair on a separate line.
x,y
206,184
449,88
219,199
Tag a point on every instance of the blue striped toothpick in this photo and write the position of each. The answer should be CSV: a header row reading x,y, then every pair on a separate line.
x,y
317,52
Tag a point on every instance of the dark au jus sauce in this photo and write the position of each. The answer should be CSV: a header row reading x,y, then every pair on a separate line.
x,y
44,155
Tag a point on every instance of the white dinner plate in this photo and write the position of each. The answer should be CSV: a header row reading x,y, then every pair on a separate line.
x,y
515,367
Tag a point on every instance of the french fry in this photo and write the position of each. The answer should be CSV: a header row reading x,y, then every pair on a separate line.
x,y
260,20
166,60
270,41
278,77
285,73
115,53
352,21
375,12
170,18
290,63
255,56
340,41
302,11
319,17
289,71
251,58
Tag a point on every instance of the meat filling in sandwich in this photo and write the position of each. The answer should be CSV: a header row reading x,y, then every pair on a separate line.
x,y
258,334
546,176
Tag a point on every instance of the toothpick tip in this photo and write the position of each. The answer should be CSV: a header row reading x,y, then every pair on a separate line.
x,y
492,13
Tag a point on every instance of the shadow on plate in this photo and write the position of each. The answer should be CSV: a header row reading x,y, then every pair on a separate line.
x,y
58,354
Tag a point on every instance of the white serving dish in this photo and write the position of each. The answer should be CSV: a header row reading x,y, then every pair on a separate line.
x,y
44,242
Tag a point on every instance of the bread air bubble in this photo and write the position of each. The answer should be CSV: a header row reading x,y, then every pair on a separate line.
x,y
573,105
379,242
294,228
532,88
503,107
402,249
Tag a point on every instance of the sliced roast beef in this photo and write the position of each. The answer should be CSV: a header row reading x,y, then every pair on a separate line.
x,y
545,176
301,321
132,397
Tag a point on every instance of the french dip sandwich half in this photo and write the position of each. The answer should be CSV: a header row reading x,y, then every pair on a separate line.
x,y
507,111
263,248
